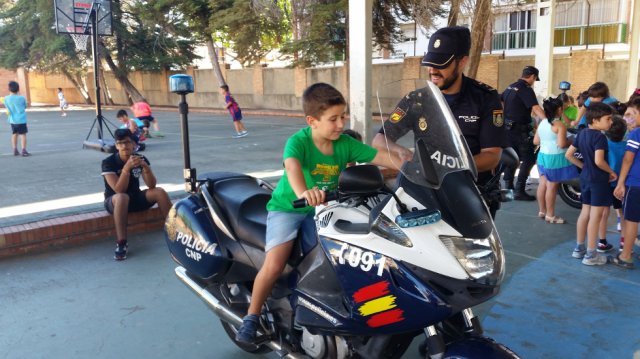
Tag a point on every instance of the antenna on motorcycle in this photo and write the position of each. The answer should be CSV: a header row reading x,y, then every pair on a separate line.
x,y
183,85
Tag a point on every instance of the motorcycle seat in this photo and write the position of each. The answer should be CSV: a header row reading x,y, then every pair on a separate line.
x,y
244,204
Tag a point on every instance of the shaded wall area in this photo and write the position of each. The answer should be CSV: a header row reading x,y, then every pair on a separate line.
x,y
281,88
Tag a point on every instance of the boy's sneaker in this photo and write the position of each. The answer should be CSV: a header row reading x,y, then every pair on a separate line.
x,y
618,227
579,252
247,331
604,247
25,153
15,152
158,134
239,135
244,132
594,260
121,251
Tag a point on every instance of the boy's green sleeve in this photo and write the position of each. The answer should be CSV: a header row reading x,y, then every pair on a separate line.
x,y
360,152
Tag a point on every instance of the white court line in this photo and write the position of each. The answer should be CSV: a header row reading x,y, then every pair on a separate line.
x,y
93,198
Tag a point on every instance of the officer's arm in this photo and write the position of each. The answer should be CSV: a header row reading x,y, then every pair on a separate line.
x,y
381,143
538,112
488,158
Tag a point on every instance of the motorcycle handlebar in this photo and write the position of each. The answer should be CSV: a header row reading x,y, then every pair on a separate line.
x,y
302,202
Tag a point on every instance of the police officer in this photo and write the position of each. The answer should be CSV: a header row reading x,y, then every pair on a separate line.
x,y
519,102
475,106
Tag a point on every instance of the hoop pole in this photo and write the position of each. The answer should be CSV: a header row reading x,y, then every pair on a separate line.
x,y
96,65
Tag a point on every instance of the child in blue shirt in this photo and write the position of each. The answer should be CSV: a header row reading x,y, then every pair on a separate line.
x,y
16,108
628,190
616,143
594,180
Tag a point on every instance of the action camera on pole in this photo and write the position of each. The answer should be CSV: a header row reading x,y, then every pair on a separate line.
x,y
565,86
183,85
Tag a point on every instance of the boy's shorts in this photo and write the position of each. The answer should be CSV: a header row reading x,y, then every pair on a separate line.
x,y
19,129
631,204
146,119
236,115
596,194
137,203
283,227
617,204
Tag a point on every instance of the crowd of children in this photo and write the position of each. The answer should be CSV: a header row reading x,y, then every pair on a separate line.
x,y
607,140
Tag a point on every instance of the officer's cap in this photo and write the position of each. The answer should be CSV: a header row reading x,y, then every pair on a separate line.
x,y
445,45
530,70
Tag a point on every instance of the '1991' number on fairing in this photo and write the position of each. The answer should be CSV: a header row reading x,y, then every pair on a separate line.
x,y
357,258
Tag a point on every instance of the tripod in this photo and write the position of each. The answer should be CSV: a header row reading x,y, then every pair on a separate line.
x,y
100,144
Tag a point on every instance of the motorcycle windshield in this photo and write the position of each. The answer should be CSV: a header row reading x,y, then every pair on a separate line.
x,y
423,122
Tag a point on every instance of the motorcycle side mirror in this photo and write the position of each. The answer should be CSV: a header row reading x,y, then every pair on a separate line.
x,y
361,179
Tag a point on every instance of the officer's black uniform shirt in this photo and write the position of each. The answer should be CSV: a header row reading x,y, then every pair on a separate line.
x,y
476,108
518,100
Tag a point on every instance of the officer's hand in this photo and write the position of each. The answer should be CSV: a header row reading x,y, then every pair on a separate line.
x,y
404,153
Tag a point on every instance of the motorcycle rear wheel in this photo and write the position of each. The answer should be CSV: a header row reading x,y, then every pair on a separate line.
x,y
570,194
249,348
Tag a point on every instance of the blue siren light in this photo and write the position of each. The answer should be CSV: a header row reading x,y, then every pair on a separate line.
x,y
418,218
181,84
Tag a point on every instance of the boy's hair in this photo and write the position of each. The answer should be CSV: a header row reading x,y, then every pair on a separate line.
x,y
598,89
564,98
551,106
617,130
122,133
317,98
14,86
597,110
59,89
353,133
225,88
635,103
582,97
122,113
635,94
619,107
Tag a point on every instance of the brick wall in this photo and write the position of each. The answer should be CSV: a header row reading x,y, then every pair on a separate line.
x,y
70,230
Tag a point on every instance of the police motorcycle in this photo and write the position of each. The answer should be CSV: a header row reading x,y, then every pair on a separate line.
x,y
386,265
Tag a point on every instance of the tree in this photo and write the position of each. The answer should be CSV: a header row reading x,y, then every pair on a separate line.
x,y
481,18
148,36
198,13
252,36
28,40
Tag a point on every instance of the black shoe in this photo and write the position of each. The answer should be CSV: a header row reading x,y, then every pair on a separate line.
x,y
121,251
523,196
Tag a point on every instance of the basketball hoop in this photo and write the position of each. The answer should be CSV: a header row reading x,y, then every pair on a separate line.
x,y
80,41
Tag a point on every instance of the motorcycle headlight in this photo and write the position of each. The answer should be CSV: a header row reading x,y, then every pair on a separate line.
x,y
482,259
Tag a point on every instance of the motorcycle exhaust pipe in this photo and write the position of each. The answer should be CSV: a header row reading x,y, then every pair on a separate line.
x,y
226,314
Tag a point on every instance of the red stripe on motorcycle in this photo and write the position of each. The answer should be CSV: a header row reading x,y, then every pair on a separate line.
x,y
386,318
372,291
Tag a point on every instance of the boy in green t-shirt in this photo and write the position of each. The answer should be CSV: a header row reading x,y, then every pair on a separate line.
x,y
313,160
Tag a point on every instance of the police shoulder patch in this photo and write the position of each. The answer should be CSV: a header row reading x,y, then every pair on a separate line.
x,y
498,118
397,115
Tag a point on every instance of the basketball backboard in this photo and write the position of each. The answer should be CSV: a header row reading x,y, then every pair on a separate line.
x,y
72,16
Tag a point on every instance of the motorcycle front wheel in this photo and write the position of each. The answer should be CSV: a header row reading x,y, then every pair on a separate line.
x,y
570,194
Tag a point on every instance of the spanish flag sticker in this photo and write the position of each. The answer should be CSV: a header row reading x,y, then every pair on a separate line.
x,y
397,115
378,304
